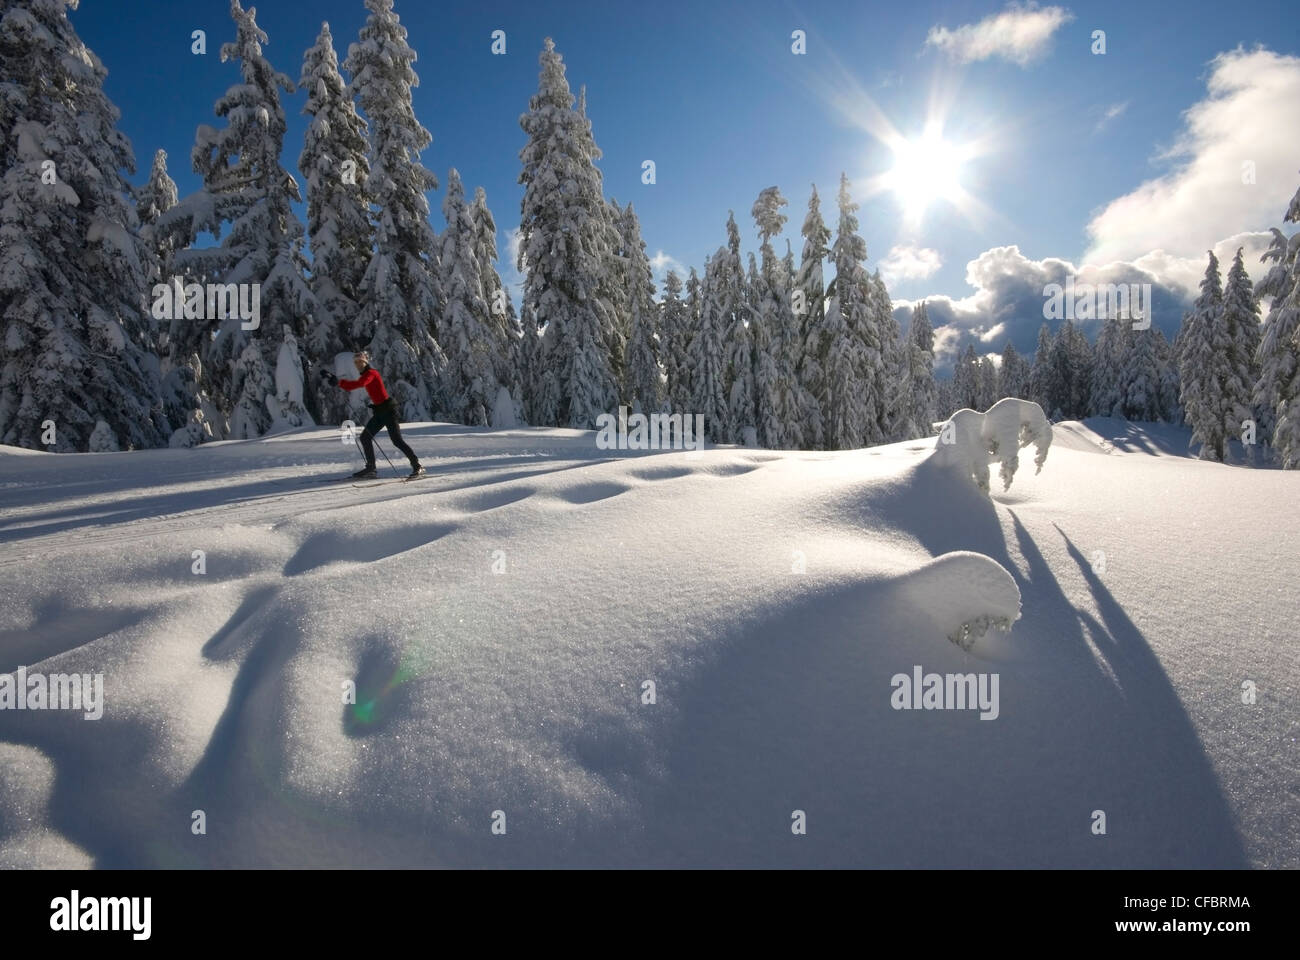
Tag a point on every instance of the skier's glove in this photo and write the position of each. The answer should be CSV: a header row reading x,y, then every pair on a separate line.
x,y
326,375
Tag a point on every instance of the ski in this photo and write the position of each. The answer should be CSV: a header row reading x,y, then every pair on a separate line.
x,y
381,483
312,481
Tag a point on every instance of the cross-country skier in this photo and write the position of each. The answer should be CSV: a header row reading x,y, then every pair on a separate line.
x,y
385,414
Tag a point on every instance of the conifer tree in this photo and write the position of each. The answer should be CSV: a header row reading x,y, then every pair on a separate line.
x,y
564,248
1241,372
246,187
1109,388
708,357
469,338
1277,392
335,166
729,290
781,410
922,393
75,328
505,326
813,335
852,402
678,331
966,380
1013,376
1044,388
644,378
399,295
1203,366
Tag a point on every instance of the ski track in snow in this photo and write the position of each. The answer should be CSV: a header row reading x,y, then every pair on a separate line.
x,y
769,596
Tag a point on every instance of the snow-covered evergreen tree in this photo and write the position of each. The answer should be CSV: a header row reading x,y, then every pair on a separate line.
x,y
922,391
506,328
612,286
468,339
945,398
250,415
1277,392
677,330
806,428
644,378
74,271
152,200
286,403
728,291
1109,388
1141,383
709,357
1013,375
180,342
1067,379
1241,372
851,409
780,407
335,166
399,295
1167,364
1044,388
540,393
564,248
894,362
1078,363
245,187
814,337
966,380
987,390
708,365
1206,347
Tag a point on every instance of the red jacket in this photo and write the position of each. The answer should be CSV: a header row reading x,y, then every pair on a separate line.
x,y
373,383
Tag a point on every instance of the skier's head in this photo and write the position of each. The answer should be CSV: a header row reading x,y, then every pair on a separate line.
x,y
362,360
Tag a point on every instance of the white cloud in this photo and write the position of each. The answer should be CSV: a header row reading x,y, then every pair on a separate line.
x,y
1006,302
909,262
661,263
1250,116
1019,34
510,273
1109,114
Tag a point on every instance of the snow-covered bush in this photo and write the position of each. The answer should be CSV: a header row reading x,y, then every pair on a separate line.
x,y
286,406
102,439
969,441
196,431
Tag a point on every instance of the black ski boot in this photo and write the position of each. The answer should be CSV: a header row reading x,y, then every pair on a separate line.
x,y
416,471
366,473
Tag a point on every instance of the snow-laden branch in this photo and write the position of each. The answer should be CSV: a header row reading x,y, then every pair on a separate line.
x,y
969,440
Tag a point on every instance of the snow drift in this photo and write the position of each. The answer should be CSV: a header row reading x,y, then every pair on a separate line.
x,y
969,441
641,660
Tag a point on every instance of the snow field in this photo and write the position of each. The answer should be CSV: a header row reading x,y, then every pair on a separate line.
x,y
522,691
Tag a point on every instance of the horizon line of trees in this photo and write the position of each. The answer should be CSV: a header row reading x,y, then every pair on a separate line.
x,y
769,351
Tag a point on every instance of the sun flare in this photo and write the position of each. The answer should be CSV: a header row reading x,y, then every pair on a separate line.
x,y
925,170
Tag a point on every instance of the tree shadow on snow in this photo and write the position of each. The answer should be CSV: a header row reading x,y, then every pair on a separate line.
x,y
794,713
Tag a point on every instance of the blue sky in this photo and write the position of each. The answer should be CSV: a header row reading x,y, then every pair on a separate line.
x,y
713,94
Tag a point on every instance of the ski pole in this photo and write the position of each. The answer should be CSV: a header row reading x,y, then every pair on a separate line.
x,y
375,441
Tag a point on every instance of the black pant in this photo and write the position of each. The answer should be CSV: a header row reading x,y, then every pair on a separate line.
x,y
385,416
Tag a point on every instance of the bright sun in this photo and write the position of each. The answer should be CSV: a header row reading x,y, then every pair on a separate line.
x,y
925,170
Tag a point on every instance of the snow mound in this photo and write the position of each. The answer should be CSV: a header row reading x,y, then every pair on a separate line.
x,y
964,594
503,411
25,791
969,440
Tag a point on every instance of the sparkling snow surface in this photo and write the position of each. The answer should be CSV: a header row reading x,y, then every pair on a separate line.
x,y
1120,685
